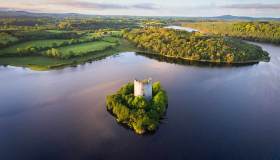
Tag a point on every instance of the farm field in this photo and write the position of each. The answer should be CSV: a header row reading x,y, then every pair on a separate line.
x,y
44,63
36,43
110,39
7,38
53,49
83,48
90,36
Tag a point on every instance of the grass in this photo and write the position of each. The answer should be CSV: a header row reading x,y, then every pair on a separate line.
x,y
29,60
35,43
90,36
84,48
43,63
6,38
57,31
116,33
111,39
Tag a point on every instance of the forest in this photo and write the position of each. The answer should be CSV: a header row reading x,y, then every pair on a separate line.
x,y
136,112
259,31
195,46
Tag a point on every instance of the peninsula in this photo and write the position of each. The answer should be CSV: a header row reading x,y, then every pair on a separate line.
x,y
195,46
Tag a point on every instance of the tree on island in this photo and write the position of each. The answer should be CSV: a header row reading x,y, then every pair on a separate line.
x,y
135,111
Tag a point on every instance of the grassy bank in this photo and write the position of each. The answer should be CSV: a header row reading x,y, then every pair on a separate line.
x,y
12,50
43,63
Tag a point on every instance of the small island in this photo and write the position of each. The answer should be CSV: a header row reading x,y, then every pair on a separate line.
x,y
139,105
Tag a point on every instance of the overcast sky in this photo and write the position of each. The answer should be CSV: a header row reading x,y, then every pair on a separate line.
x,y
256,8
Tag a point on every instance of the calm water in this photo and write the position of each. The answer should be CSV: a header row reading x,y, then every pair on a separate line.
x,y
219,113
182,28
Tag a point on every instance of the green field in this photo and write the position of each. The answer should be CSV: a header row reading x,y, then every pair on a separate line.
x,y
84,48
57,31
111,39
90,36
47,63
43,63
36,43
6,38
116,33
54,49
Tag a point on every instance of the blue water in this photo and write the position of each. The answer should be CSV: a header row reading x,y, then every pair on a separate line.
x,y
219,113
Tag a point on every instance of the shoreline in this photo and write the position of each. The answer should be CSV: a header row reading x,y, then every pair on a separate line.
x,y
203,61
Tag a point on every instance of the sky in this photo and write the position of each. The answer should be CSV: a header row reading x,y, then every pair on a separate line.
x,y
186,8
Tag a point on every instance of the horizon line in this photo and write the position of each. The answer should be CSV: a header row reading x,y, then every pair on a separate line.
x,y
89,14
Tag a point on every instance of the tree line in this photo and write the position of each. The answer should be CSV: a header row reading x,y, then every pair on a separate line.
x,y
255,31
194,46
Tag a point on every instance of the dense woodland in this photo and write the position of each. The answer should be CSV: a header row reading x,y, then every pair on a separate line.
x,y
195,46
82,23
255,31
136,112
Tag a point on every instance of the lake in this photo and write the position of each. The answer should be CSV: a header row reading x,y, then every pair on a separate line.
x,y
215,113
182,28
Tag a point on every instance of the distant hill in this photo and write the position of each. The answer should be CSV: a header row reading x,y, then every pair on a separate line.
x,y
231,17
8,13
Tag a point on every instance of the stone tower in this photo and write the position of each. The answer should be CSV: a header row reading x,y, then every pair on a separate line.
x,y
143,88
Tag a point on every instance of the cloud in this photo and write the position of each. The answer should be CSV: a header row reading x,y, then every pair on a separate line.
x,y
100,6
145,6
252,6
152,8
86,5
81,6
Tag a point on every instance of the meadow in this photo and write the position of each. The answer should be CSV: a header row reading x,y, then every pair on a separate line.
x,y
6,38
43,63
43,44
83,48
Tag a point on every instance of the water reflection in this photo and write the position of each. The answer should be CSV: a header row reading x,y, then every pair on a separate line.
x,y
222,112
191,63
182,28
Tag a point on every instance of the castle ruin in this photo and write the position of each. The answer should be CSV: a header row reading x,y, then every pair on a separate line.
x,y
143,88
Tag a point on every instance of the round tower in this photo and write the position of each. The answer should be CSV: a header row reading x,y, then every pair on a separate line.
x,y
143,88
